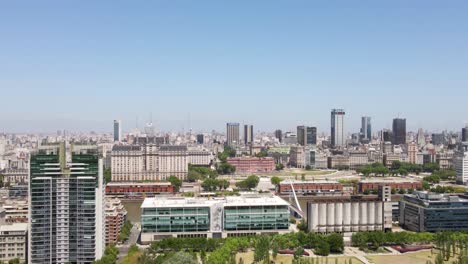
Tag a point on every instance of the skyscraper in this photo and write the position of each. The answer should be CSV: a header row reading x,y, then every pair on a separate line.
x,y
279,135
306,135
66,223
460,163
366,128
399,131
421,138
337,128
248,134
200,138
117,131
232,134
465,134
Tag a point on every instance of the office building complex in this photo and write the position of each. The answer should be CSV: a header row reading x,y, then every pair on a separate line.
x,y
248,134
306,135
337,128
327,214
248,214
66,222
117,130
232,134
430,212
148,162
200,139
13,242
366,128
399,131
465,134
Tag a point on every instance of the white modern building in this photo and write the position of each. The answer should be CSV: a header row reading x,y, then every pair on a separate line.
x,y
117,130
248,214
461,164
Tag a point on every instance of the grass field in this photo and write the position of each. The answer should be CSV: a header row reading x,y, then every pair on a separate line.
x,y
299,172
420,257
247,257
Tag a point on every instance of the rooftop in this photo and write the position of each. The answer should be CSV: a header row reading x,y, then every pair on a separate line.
x,y
14,227
243,200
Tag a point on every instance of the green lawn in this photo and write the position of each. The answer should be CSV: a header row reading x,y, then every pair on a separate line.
x,y
420,257
247,257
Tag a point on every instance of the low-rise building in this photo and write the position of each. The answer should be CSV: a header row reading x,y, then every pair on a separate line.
x,y
13,242
310,187
12,176
393,183
252,164
16,211
248,214
116,215
430,212
131,189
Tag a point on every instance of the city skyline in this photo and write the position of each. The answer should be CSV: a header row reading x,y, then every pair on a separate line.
x,y
128,61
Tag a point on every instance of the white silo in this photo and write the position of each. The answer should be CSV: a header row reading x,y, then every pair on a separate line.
x,y
355,216
347,217
371,215
330,217
338,217
363,216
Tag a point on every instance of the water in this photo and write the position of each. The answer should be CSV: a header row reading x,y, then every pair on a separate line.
x,y
133,210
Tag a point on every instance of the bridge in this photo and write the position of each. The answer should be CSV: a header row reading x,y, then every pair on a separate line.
x,y
294,207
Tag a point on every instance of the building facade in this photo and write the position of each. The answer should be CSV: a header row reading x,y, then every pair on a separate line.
x,y
232,134
306,135
429,212
66,222
116,215
117,130
248,134
337,128
13,242
399,131
366,128
309,187
252,164
213,218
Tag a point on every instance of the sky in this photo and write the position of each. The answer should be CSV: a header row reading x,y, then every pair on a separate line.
x,y
78,65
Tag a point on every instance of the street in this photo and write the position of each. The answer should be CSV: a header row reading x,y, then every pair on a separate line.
x,y
132,239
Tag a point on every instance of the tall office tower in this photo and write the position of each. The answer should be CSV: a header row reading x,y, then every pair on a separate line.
x,y
465,134
460,163
366,128
279,135
200,138
66,223
248,134
306,135
232,134
399,131
337,128
117,130
386,136
421,138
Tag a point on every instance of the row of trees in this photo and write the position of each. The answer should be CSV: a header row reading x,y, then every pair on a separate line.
x,y
125,232
224,167
110,256
215,184
250,183
376,239
397,168
196,173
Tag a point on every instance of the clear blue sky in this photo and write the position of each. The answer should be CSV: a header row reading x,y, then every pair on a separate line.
x,y
78,65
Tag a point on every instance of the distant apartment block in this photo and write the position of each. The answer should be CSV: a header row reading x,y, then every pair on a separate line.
x,y
252,164
232,134
13,242
116,215
12,176
310,187
375,184
138,189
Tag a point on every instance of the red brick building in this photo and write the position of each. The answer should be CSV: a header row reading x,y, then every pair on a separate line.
x,y
252,164
138,188
115,219
374,185
309,187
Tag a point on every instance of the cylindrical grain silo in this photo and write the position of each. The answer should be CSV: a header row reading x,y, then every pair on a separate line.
x,y
378,216
322,217
330,217
355,216
314,217
338,217
371,215
363,216
347,217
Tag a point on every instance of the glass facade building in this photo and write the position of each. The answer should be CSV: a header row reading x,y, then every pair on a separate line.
x,y
66,205
185,217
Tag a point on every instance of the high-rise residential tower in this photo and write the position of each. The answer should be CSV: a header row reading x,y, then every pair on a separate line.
x,y
337,128
399,131
117,130
232,134
248,134
366,128
66,223
306,135
460,163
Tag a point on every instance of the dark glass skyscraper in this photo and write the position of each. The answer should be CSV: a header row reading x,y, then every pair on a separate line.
x,y
465,134
399,131
366,128
306,135
279,135
337,128
248,134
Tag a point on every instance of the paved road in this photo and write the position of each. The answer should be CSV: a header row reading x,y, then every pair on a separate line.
x,y
123,249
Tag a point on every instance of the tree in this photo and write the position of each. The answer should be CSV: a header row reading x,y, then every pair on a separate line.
x,y
302,226
279,166
263,153
323,248
176,182
181,258
336,243
108,175
194,176
14,261
250,183
275,180
226,168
